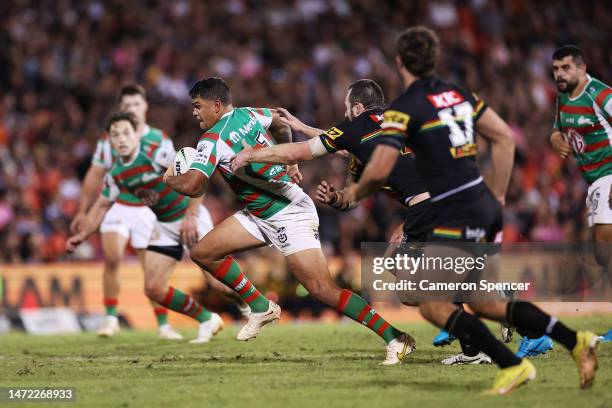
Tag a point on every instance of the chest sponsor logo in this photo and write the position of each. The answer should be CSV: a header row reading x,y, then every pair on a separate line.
x,y
234,137
377,118
445,99
148,177
333,133
584,121
576,140
246,128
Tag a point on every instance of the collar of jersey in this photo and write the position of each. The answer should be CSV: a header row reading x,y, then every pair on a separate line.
x,y
227,113
584,89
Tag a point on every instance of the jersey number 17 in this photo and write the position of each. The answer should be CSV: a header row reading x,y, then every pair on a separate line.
x,y
454,116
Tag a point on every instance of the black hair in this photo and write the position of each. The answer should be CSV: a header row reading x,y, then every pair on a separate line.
x,y
367,92
418,48
569,50
211,89
133,89
119,116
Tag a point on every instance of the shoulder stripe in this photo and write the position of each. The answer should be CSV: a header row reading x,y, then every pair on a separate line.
x,y
602,95
577,110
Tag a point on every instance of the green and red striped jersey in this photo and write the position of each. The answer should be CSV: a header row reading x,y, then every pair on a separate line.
x,y
585,121
145,172
105,156
265,189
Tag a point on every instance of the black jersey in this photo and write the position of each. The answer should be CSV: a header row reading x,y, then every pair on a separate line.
x,y
436,120
360,137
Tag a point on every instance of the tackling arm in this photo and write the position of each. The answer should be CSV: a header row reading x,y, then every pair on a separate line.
x,y
91,184
375,173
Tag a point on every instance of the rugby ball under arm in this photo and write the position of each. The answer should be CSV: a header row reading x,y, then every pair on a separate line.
x,y
183,159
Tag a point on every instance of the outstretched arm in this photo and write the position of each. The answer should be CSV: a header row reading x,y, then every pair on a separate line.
x,y
297,125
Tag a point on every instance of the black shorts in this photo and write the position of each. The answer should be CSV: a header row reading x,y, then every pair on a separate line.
x,y
473,215
418,222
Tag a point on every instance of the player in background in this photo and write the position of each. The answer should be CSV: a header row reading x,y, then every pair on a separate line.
x,y
583,125
437,120
180,221
276,212
128,219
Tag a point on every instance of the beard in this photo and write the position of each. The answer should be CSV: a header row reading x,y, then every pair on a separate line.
x,y
566,86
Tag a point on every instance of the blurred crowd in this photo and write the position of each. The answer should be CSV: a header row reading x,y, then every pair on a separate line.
x,y
63,61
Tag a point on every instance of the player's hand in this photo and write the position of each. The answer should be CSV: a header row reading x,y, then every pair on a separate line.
x,y
169,172
189,229
326,193
398,235
148,196
288,119
242,158
293,171
77,223
560,145
73,242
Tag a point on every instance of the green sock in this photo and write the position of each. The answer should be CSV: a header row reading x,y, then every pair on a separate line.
x,y
355,307
161,314
110,304
185,304
229,273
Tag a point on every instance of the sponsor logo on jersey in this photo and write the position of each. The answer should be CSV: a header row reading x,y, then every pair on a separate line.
x,y
333,133
234,136
466,150
148,177
246,129
445,99
584,121
576,140
477,234
377,118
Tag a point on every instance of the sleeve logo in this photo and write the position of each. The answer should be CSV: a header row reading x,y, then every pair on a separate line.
x,y
333,133
205,149
396,120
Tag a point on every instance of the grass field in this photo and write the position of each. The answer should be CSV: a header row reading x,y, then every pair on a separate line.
x,y
288,365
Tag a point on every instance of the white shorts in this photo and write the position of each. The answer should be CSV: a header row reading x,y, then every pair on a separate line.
x,y
168,234
293,229
133,222
598,202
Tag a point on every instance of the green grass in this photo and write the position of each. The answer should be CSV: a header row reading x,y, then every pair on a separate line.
x,y
315,365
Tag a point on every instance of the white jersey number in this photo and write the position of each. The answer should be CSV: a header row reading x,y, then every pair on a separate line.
x,y
459,113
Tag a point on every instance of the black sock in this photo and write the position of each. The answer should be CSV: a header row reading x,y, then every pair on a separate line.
x,y
526,316
467,348
470,329
527,333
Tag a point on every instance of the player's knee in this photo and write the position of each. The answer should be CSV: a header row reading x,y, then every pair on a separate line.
x,y
111,265
155,291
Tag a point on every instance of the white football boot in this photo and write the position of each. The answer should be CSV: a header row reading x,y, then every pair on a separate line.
x,y
208,329
259,320
398,349
109,327
460,359
166,332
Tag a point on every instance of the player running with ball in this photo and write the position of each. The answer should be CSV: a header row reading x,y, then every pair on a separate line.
x,y
277,213
180,221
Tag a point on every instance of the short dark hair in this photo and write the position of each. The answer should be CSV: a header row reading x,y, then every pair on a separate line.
x,y
367,92
569,50
133,89
418,48
118,117
212,88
